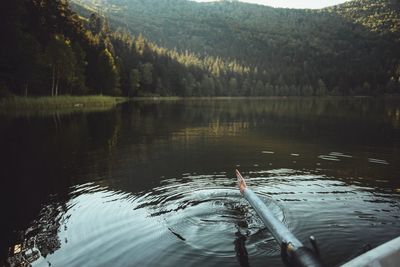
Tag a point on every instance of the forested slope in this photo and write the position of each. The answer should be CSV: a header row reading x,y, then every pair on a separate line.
x,y
381,16
51,50
352,48
47,50
179,47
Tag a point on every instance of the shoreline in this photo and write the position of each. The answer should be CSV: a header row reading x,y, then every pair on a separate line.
x,y
175,98
59,102
68,102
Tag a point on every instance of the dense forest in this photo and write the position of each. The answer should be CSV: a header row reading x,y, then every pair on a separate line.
x,y
48,51
185,48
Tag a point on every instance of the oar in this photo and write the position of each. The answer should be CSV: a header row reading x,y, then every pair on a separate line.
x,y
293,252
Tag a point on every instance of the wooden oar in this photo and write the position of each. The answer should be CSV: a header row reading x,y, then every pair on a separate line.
x,y
293,252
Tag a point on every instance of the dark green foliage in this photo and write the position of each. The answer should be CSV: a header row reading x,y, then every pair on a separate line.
x,y
381,16
134,82
107,74
95,23
48,51
62,61
344,46
236,49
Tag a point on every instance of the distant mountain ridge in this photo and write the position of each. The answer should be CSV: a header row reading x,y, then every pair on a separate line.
x,y
350,47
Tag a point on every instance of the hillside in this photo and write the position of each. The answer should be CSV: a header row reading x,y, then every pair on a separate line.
x,y
185,48
46,50
380,16
50,50
352,48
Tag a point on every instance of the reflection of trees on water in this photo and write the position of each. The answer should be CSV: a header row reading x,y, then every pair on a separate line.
x,y
242,255
41,238
82,144
394,114
46,155
153,115
86,143
303,117
43,155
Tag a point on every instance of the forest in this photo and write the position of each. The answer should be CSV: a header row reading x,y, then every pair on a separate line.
x,y
184,48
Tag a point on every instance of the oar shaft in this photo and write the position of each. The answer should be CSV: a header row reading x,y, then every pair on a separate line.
x,y
276,227
293,252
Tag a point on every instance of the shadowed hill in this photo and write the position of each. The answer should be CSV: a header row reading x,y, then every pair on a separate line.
x,y
351,48
184,48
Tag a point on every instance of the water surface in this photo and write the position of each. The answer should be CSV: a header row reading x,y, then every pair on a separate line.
x,y
151,183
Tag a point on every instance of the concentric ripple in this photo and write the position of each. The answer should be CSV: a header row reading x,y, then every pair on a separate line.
x,y
198,220
209,215
193,218
209,220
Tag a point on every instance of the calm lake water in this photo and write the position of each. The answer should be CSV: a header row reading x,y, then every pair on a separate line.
x,y
151,183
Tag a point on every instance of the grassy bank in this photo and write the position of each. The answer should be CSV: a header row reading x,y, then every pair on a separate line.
x,y
59,102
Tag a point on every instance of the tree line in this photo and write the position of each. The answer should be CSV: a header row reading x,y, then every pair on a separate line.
x,y
51,50
351,48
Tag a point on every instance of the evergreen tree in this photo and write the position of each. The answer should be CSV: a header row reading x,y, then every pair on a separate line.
x,y
95,23
134,77
147,73
107,75
233,86
321,89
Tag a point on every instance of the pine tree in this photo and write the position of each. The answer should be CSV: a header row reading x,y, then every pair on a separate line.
x,y
321,89
107,74
134,77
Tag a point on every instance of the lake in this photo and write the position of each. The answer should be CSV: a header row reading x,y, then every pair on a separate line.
x,y
152,183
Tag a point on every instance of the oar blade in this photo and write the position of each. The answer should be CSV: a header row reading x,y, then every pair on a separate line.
x,y
241,182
